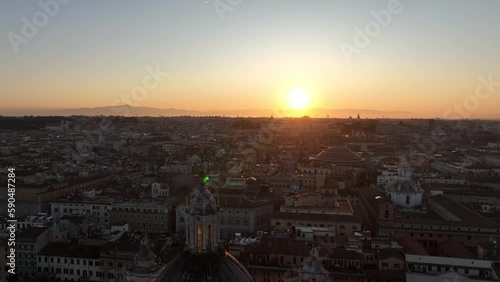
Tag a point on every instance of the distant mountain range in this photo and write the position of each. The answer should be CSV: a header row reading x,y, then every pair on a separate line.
x,y
126,110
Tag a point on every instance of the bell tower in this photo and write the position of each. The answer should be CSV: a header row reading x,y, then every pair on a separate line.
x,y
202,221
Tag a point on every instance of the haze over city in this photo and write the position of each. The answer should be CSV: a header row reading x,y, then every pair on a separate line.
x,y
420,59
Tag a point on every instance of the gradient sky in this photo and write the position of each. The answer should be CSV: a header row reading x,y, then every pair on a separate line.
x,y
92,53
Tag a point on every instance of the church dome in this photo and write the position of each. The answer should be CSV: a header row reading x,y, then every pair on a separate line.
x,y
214,267
403,185
203,259
339,154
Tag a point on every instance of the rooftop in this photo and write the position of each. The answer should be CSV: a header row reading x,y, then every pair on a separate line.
x,y
459,210
411,246
451,248
71,250
318,217
339,154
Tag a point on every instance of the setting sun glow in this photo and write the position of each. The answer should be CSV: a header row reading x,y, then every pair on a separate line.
x,y
298,98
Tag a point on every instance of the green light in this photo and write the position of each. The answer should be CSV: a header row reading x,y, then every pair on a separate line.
x,y
206,179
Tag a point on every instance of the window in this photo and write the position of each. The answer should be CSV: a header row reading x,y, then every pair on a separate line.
x,y
407,200
199,239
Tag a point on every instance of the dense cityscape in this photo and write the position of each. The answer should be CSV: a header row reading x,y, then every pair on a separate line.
x,y
249,141
114,198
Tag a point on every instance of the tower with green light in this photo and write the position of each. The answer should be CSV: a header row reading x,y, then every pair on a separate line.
x,y
201,214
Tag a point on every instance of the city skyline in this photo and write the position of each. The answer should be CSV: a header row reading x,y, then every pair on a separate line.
x,y
428,59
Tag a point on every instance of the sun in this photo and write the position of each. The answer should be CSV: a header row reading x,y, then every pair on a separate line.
x,y
298,98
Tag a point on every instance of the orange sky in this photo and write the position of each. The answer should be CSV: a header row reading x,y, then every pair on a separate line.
x,y
426,61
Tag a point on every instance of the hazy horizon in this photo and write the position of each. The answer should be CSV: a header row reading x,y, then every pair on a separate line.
x,y
430,59
252,113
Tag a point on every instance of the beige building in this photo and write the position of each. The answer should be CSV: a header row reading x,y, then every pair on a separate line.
x,y
341,225
152,217
28,243
32,199
116,258
237,214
